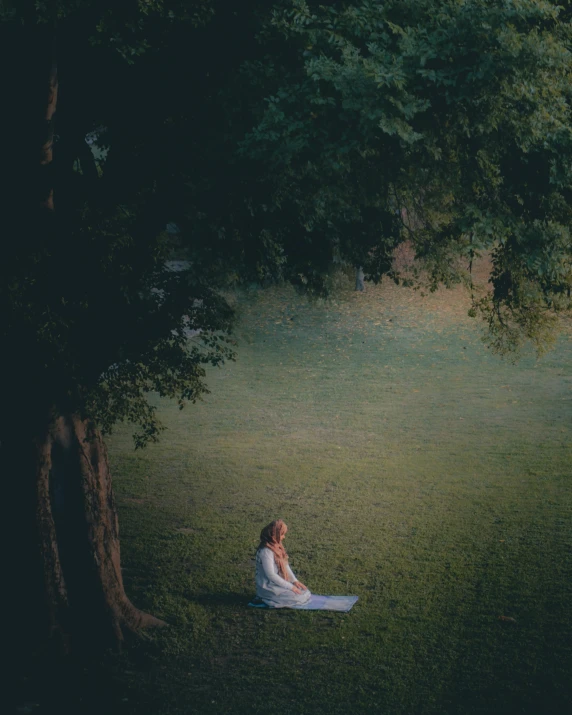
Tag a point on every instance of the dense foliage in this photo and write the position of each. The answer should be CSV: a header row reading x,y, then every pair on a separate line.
x,y
458,112
284,141
92,320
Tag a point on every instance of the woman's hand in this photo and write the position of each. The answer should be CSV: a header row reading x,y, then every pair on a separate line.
x,y
296,590
299,585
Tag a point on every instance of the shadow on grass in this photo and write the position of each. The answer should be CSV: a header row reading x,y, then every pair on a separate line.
x,y
224,599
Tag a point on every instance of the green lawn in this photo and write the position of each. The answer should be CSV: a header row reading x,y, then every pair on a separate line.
x,y
414,469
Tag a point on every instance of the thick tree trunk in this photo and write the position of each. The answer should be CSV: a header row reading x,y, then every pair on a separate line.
x,y
67,579
62,572
83,603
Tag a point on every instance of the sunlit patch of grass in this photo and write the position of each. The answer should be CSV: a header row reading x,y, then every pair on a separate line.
x,y
414,469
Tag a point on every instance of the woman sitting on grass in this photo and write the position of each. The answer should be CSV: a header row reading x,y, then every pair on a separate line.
x,y
276,584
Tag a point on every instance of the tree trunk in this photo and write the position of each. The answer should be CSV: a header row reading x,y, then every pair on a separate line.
x,y
66,581
47,148
360,285
82,602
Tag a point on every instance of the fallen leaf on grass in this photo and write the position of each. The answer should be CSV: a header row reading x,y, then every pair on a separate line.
x,y
507,619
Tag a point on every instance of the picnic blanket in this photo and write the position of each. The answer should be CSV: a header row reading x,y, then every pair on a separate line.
x,y
342,604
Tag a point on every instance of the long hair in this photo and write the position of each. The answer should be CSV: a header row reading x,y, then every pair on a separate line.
x,y
270,539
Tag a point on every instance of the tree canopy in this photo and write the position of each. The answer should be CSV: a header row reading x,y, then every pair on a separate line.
x,y
83,286
457,111
284,142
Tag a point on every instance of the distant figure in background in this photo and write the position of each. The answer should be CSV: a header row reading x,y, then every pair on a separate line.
x,y
276,584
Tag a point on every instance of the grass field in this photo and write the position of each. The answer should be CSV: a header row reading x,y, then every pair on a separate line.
x,y
414,469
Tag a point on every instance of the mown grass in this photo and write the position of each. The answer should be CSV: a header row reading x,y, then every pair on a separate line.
x,y
414,469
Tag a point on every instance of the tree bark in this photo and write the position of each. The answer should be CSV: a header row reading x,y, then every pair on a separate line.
x,y
47,147
82,604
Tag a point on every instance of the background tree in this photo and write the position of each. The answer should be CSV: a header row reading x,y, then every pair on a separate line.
x,y
458,113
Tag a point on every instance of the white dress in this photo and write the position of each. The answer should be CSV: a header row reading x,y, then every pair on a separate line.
x,y
271,588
